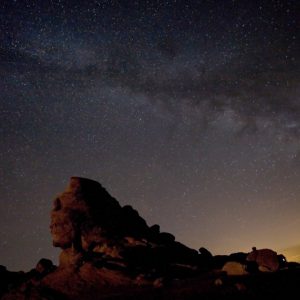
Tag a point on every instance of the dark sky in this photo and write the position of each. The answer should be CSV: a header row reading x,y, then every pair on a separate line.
x,y
187,110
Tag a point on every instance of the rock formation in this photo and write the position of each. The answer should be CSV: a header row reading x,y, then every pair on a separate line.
x,y
86,222
107,247
267,260
234,268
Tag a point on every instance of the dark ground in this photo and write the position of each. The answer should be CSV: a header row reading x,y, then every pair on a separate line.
x,y
284,284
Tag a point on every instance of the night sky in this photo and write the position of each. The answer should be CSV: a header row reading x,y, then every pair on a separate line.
x,y
187,110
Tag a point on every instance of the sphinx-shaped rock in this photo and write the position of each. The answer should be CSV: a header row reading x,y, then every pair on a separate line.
x,y
105,245
91,226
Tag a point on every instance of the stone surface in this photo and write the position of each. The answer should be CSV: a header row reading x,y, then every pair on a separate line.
x,y
86,222
234,268
266,259
108,251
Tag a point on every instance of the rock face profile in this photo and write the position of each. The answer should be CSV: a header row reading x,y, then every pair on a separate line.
x,y
105,245
86,222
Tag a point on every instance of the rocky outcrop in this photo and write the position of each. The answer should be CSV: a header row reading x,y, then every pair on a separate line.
x,y
106,247
106,244
21,285
88,223
267,260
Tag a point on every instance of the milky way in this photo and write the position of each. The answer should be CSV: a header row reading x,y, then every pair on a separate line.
x,y
187,110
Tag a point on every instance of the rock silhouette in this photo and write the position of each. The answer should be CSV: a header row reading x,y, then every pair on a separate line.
x,y
105,245
267,260
87,223
109,252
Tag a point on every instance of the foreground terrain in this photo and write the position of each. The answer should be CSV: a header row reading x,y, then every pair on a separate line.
x,y
109,252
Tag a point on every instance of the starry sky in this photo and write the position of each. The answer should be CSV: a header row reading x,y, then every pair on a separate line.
x,y
187,110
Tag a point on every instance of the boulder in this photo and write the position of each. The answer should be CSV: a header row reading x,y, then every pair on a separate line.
x,y
266,259
45,266
234,268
